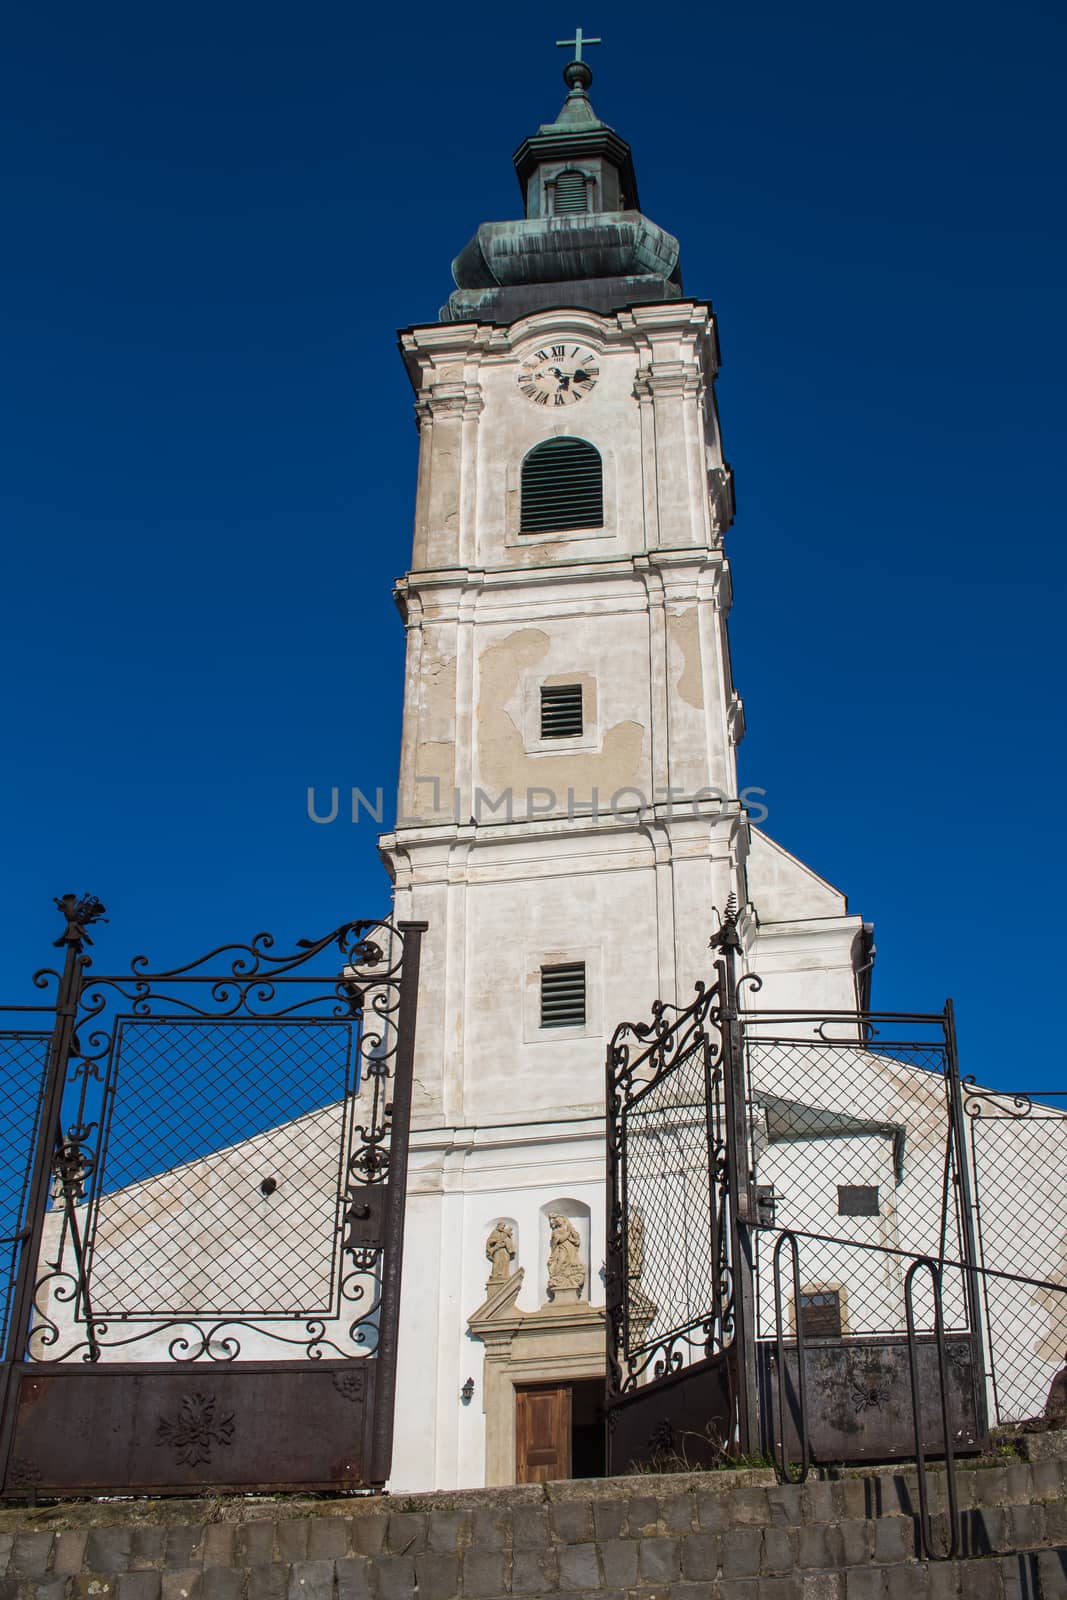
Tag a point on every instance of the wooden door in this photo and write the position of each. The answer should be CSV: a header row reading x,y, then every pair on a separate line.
x,y
542,1433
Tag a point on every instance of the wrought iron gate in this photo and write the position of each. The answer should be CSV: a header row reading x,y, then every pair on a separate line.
x,y
791,1263
679,1264
208,1272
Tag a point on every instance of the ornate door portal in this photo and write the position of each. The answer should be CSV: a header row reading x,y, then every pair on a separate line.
x,y
206,1286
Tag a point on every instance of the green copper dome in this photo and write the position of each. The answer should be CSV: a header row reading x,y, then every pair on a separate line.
x,y
584,240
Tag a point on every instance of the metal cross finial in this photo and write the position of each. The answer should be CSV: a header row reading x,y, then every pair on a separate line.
x,y
577,42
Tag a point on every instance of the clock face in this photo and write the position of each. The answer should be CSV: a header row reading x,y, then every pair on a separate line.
x,y
559,374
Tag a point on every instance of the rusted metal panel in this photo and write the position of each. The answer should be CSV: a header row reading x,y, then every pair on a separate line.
x,y
859,1403
678,1423
166,1429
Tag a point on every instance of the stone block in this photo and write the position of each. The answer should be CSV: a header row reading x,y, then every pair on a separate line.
x,y
618,1558
855,1498
572,1522
894,1539
327,1538
822,1586
943,1580
659,1560
609,1520
642,1517
909,1581
818,1545
1055,1522
367,1535
701,1554
1047,1480
1027,1526
185,1546
578,1566
437,1575
270,1581
748,1507
254,1544
142,1585
535,1572
308,1580
218,1544
396,1577
30,1553
51,1588
224,1583
484,1573
291,1539
406,1534
69,1551
823,1502
980,1580
354,1577
447,1531
1052,1573
148,1545
1017,1484
181,1583
713,1512
678,1513
529,1528
863,1583
991,1487
106,1549
855,1536
7,1541
741,1550
735,1589
784,1505
491,1527
779,1553
779,1588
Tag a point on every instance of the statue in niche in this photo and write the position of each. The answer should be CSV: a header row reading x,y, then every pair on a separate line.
x,y
500,1253
566,1275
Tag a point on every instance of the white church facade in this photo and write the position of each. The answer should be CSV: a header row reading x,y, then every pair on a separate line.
x,y
569,814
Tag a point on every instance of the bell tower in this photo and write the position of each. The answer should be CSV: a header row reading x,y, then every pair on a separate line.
x,y
568,810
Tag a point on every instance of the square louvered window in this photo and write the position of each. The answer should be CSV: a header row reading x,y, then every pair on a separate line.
x,y
561,710
820,1314
563,995
858,1200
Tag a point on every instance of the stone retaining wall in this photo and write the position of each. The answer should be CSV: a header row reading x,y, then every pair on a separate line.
x,y
700,1536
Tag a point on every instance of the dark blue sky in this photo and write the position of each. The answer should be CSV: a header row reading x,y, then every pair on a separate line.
x,y
218,216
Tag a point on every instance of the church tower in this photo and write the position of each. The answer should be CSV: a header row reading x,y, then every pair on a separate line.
x,y
568,817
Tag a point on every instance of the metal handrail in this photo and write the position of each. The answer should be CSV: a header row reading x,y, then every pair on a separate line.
x,y
916,1411
782,1464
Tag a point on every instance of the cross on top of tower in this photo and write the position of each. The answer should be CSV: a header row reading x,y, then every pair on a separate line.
x,y
577,42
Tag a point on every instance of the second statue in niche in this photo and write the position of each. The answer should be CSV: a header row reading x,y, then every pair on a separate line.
x,y
566,1275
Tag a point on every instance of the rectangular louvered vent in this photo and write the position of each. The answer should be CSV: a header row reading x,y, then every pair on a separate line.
x,y
571,193
562,487
563,995
561,710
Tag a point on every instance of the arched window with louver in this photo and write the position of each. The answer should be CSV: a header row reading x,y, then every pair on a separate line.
x,y
571,193
562,487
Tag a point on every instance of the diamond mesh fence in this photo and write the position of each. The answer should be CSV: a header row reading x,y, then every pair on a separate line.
x,y
223,1148
23,1058
1018,1151
852,1150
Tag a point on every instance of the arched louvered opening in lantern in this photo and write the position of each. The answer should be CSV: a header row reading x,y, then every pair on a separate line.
x,y
562,487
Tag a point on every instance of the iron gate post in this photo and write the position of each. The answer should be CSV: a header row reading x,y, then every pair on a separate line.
x,y
965,1210
381,1445
741,1199
79,914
